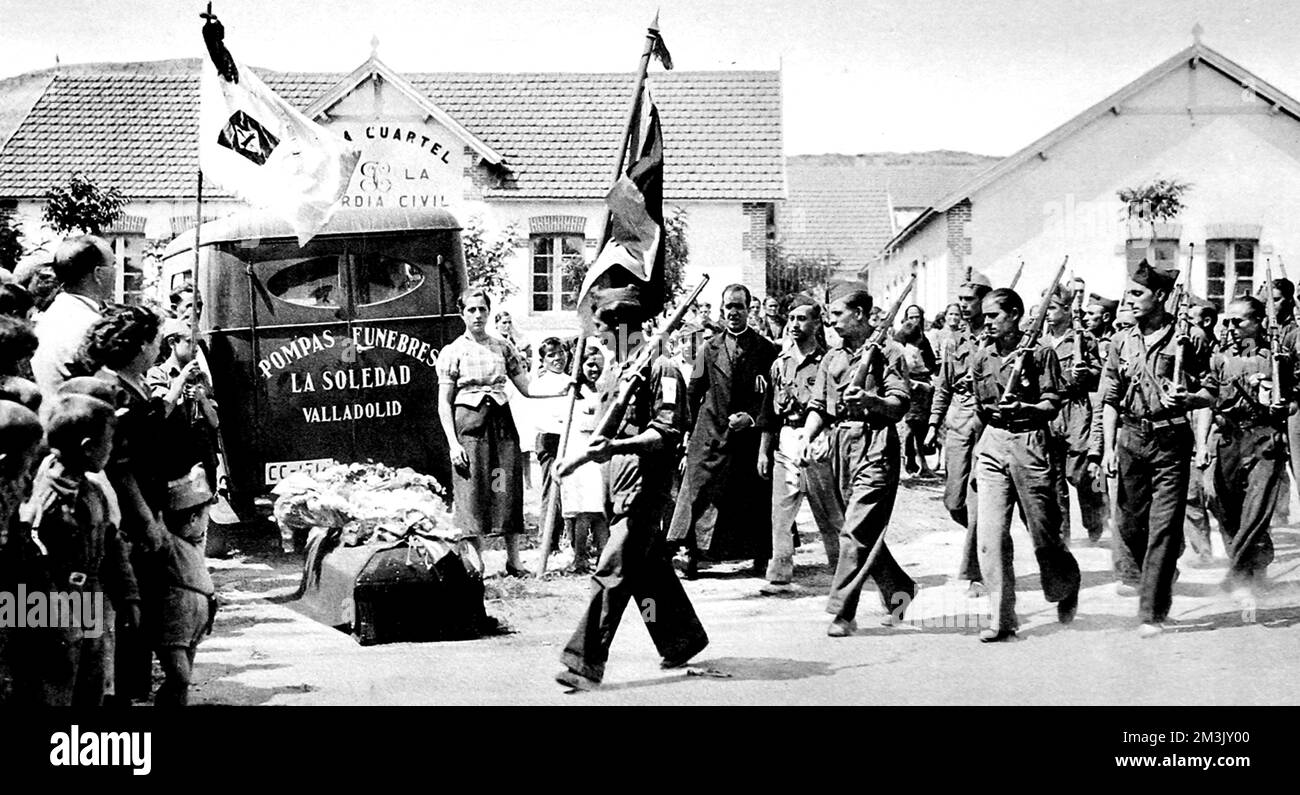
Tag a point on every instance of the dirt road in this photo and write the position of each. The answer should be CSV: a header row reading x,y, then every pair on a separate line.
x,y
773,649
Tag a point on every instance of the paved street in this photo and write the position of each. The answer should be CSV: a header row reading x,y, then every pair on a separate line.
x,y
773,650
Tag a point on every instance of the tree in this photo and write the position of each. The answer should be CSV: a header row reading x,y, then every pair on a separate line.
x,y
486,257
82,206
677,254
11,245
787,274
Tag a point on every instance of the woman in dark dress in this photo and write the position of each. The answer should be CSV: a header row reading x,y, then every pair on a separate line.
x,y
482,439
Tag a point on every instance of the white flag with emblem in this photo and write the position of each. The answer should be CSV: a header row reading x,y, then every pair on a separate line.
x,y
259,147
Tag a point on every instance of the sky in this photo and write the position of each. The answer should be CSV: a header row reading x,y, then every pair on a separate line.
x,y
987,76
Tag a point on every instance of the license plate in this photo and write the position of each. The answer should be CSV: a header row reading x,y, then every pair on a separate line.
x,y
277,471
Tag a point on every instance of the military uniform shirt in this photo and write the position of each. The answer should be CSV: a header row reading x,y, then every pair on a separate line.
x,y
1139,368
836,374
792,378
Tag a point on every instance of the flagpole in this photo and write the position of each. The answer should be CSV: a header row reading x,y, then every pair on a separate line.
x,y
194,299
629,136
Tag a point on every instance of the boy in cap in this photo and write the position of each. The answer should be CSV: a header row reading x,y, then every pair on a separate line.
x,y
963,425
637,465
1147,439
20,443
189,599
83,551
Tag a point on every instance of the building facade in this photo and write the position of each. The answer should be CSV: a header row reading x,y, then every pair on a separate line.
x,y
532,153
1198,118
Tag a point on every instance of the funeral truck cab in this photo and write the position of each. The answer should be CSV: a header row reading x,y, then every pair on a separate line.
x,y
325,352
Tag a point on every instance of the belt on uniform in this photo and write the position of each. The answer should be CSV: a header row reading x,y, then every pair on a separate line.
x,y
874,425
1147,426
1019,427
795,419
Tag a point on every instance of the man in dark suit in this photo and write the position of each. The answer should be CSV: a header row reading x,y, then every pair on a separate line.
x,y
724,507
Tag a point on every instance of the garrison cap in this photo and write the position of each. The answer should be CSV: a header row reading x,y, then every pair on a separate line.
x,y
1107,304
978,279
845,288
799,299
1154,277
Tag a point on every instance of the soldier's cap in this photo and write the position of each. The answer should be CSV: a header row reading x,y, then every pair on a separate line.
x,y
978,279
799,299
1107,304
843,289
1153,277
1286,287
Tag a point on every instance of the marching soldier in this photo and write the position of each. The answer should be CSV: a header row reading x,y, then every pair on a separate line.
x,y
1196,527
1242,442
961,421
1072,426
863,449
635,564
785,409
1153,376
1013,464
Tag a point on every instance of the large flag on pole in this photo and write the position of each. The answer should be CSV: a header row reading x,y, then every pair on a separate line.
x,y
634,252
259,147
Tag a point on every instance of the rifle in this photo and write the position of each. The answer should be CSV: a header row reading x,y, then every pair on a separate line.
x,y
1016,279
1030,341
1182,331
612,420
873,356
1274,337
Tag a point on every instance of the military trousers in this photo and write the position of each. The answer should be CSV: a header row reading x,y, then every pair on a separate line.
x,y
864,463
790,482
635,566
1248,468
963,432
1154,467
1015,467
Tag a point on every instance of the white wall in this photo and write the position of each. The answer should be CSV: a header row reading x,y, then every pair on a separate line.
x,y
1243,164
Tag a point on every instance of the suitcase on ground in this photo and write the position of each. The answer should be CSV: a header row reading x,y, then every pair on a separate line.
x,y
399,597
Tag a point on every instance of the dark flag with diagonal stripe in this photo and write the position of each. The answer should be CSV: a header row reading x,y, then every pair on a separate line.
x,y
634,253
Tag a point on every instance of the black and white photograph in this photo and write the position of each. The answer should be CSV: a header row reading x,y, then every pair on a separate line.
x,y
708,354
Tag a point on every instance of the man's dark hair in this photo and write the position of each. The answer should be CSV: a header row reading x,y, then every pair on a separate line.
x,y
1212,312
552,344
118,337
858,299
1257,311
77,257
15,301
1008,299
731,288
17,342
20,431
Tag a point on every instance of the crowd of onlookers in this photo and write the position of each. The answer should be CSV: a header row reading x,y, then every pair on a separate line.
x,y
107,446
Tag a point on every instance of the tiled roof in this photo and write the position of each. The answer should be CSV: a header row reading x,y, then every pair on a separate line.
x,y
920,186
838,210
135,130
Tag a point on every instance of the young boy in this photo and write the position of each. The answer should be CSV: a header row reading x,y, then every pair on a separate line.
x,y
20,441
189,596
82,550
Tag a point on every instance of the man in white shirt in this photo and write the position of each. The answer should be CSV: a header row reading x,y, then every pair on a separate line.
x,y
84,268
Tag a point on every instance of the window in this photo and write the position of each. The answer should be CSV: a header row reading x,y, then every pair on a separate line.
x,y
1166,253
1229,270
309,282
554,286
383,278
